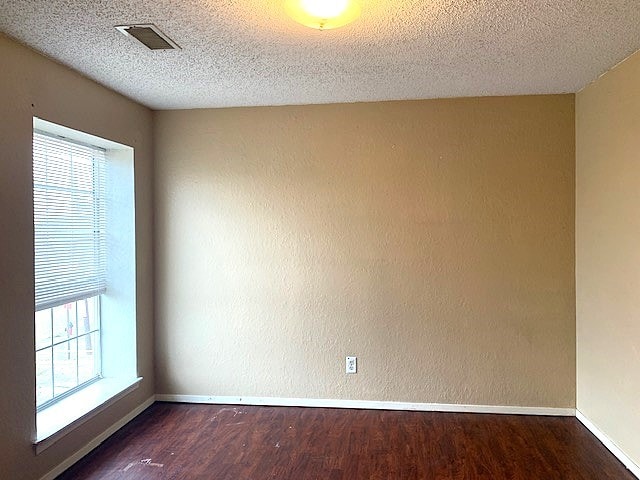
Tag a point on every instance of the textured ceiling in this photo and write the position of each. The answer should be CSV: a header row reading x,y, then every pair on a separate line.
x,y
248,52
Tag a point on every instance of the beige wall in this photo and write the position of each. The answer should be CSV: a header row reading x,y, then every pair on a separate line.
x,y
432,239
608,254
32,85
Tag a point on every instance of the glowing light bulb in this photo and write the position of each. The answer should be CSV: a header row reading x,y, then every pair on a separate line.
x,y
324,8
323,14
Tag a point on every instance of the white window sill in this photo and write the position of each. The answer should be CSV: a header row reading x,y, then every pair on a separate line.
x,y
59,419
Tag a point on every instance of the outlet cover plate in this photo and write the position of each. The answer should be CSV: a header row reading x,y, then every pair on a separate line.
x,y
352,365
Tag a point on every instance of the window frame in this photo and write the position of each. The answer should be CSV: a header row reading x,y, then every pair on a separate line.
x,y
97,358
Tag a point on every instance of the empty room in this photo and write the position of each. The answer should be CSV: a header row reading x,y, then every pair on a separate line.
x,y
320,239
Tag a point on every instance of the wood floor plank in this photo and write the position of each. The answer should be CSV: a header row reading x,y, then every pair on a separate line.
x,y
226,442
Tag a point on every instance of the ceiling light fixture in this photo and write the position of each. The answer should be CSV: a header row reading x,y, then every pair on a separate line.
x,y
323,14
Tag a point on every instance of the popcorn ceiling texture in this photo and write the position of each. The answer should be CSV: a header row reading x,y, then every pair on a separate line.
x,y
241,53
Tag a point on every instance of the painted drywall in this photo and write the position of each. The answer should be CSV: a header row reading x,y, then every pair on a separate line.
x,y
432,239
608,254
31,85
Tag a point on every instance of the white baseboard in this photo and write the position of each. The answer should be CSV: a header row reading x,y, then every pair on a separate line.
x,y
98,440
366,404
609,444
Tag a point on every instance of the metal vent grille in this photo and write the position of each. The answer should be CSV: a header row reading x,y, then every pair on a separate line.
x,y
149,35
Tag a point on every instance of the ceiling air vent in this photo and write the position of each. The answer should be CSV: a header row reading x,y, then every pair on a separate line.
x,y
149,35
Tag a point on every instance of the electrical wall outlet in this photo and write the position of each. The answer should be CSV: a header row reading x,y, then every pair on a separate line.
x,y
352,364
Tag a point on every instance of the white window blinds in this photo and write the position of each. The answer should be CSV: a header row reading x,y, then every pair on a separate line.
x,y
69,220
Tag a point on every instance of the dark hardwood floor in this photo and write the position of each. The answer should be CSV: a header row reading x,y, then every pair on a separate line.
x,y
214,442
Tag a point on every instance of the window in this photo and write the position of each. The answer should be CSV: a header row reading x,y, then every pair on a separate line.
x,y
70,263
67,349
85,288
